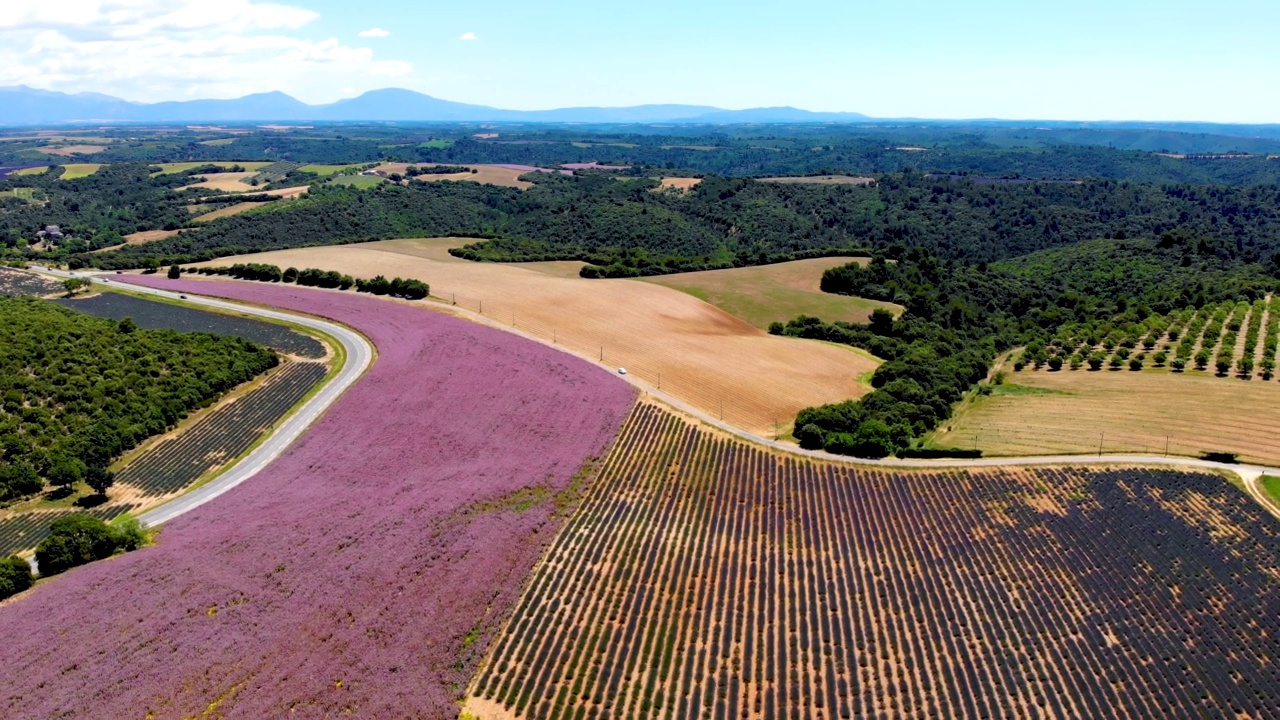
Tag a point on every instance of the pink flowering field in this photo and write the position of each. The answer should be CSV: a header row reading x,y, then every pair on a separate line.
x,y
364,572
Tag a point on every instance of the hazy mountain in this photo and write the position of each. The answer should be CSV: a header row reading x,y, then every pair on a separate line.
x,y
27,106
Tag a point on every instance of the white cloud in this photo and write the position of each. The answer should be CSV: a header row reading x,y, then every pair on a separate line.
x,y
468,36
374,33
176,49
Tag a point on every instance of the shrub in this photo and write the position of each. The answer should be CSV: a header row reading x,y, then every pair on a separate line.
x,y
74,540
290,275
1095,362
1135,364
1055,362
1160,358
1179,364
175,272
15,576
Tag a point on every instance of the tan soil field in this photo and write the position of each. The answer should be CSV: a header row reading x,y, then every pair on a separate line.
x,y
226,211
69,150
680,183
286,193
820,180
488,174
227,182
1126,411
691,349
140,238
911,148
775,293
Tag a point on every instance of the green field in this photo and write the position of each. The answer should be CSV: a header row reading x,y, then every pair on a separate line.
x,y
437,144
362,182
167,168
774,293
1271,486
74,170
325,170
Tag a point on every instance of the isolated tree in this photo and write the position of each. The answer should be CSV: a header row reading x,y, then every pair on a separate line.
x,y
15,576
100,479
1160,358
74,285
1116,361
175,272
1055,363
1095,362
1135,364
1178,364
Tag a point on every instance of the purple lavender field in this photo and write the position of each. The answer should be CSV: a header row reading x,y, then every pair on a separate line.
x,y
364,572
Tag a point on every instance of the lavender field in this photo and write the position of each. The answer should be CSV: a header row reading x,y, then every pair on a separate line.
x,y
362,573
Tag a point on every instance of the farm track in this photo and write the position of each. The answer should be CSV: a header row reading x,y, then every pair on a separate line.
x,y
703,577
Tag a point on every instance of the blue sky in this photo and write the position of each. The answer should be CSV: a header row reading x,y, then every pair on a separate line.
x,y
1175,60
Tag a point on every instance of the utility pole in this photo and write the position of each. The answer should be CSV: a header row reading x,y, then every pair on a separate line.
x,y
1166,446
659,381
722,408
481,307
455,298
601,353
1101,437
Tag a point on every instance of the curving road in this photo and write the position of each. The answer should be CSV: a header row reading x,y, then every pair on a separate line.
x,y
359,356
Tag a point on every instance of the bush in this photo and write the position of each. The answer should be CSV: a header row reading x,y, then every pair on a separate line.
x,y
1055,362
15,576
74,540
1135,364
290,275
1178,364
1220,456
175,272
1160,358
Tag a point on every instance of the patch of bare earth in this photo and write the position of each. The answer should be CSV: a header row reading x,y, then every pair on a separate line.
x,y
679,183
673,341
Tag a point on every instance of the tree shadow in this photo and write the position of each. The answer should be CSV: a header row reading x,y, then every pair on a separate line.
x,y
91,501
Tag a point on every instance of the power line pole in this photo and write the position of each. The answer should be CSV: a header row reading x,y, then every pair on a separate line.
x,y
1101,437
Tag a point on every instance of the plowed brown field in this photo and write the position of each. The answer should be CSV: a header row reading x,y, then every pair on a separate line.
x,y
689,348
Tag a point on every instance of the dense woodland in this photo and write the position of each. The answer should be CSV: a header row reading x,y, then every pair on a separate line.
x,y
960,315
76,391
627,227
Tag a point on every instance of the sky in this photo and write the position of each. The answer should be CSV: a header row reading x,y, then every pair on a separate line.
x,y
1084,60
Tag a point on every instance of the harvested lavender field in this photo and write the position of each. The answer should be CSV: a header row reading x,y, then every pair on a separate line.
x,y
153,315
25,284
363,572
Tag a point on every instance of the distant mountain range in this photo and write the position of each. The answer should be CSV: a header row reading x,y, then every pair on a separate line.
x,y
22,105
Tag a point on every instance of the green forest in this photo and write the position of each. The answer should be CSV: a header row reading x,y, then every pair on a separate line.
x,y
961,315
627,227
77,391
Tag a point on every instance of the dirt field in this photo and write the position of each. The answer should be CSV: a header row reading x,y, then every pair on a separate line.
x,y
1071,411
226,211
680,183
696,352
820,180
228,182
488,174
774,293
69,150
139,238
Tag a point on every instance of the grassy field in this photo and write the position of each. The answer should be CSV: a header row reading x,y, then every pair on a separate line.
x,y
488,174
73,170
166,168
218,142
774,293
227,211
1271,486
362,182
435,144
693,350
326,170
1075,411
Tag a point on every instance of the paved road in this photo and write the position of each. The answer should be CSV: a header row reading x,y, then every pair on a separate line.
x,y
359,356
1249,474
